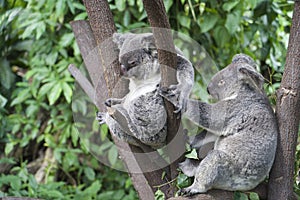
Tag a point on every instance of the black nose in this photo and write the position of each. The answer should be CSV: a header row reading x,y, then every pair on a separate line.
x,y
123,70
207,89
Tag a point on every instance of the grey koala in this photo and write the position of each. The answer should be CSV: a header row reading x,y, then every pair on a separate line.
x,y
142,113
243,127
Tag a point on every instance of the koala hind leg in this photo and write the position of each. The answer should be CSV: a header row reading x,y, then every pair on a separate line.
x,y
213,169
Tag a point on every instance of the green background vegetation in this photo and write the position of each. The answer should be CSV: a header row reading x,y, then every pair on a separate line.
x,y
36,47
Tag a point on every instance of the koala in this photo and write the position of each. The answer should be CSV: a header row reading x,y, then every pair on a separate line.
x,y
142,113
242,126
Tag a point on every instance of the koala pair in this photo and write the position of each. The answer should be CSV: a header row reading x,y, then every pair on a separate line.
x,y
142,114
242,126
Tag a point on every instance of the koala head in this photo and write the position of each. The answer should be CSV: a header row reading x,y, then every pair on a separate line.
x,y
137,54
229,81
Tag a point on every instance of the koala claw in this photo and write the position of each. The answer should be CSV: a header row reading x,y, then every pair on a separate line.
x,y
101,117
172,94
112,101
189,191
108,102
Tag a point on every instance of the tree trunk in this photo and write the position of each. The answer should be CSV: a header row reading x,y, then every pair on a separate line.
x,y
288,116
167,57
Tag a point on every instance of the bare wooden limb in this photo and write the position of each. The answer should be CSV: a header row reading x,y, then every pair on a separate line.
x,y
288,116
103,27
261,190
159,22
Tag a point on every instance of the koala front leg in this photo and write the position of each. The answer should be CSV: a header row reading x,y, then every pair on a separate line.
x,y
178,94
212,117
115,128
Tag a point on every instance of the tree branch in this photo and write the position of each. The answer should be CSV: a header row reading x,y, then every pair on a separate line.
x,y
167,57
288,116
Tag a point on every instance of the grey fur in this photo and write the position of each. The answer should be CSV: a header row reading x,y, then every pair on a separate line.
x,y
245,128
142,113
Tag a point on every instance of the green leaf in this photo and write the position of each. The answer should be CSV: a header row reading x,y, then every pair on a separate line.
x,y
54,94
22,96
168,4
183,181
45,89
221,36
71,6
67,91
40,29
3,101
70,158
121,5
66,39
13,181
253,196
81,16
94,188
192,155
230,5
8,148
6,76
127,18
252,3
159,195
240,196
207,22
90,173
28,31
261,9
74,135
113,155
60,7
232,22
51,58
184,21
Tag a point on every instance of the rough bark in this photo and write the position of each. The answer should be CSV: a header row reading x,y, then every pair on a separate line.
x,y
288,116
159,22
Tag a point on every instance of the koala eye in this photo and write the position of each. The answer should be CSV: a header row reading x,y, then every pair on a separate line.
x,y
221,82
132,62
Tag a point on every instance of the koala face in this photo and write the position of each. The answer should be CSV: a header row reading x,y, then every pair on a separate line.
x,y
224,83
228,82
137,52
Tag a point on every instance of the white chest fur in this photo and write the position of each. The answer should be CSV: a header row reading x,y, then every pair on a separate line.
x,y
140,87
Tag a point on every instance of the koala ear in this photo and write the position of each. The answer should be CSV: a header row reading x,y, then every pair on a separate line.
x,y
148,42
119,38
243,58
248,72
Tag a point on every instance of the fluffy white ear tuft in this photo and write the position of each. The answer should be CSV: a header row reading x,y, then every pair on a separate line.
x,y
148,41
249,73
119,38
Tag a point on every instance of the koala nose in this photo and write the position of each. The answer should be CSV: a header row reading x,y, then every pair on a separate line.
x,y
207,89
123,70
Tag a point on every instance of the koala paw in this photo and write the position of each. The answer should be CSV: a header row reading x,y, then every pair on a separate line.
x,y
101,117
173,95
192,190
189,167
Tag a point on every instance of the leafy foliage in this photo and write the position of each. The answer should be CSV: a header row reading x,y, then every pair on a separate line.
x,y
43,156
37,130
